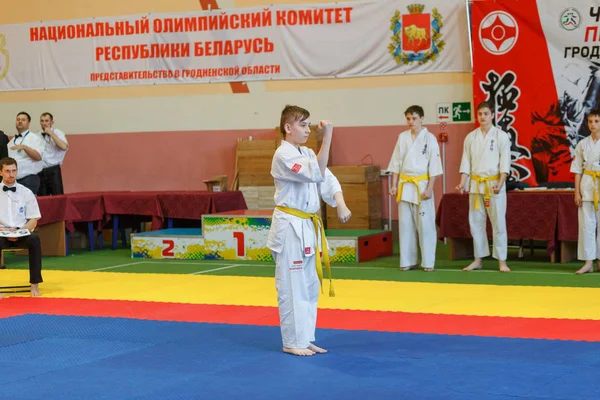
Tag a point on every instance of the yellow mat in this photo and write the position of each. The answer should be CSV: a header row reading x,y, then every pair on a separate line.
x,y
514,301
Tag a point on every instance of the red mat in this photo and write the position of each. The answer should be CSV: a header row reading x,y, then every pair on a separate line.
x,y
532,328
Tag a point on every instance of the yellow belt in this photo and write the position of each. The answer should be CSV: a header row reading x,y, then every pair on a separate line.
x,y
480,179
595,175
410,179
318,223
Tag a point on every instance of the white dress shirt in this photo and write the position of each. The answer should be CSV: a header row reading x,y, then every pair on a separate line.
x,y
17,207
53,155
26,165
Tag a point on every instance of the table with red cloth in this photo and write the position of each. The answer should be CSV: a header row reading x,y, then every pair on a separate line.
x,y
546,215
55,211
134,203
98,208
90,207
170,205
192,205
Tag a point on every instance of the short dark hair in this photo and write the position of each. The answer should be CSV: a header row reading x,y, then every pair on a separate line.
x,y
25,114
291,114
485,104
594,113
48,114
415,110
7,161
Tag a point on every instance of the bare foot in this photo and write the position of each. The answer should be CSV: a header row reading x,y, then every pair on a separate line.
x,y
587,267
316,349
503,266
477,264
298,352
34,290
428,269
408,268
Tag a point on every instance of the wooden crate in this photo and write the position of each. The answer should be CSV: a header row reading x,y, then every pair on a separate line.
x,y
363,198
356,174
356,222
255,156
253,160
259,197
250,194
362,193
255,179
266,197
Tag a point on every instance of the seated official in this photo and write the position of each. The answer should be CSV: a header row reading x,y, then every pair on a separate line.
x,y
19,210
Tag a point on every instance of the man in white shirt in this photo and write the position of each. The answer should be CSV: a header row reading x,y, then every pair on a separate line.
x,y
27,149
19,210
51,182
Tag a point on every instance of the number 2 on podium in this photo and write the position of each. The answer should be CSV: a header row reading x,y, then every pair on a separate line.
x,y
241,246
168,250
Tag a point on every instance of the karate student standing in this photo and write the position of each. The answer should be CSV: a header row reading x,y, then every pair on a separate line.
x,y
415,164
296,238
586,167
486,161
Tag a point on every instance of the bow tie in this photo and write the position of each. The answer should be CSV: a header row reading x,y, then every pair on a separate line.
x,y
12,189
18,135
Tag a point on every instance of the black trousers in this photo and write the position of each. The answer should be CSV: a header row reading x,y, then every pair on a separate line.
x,y
33,244
31,182
51,182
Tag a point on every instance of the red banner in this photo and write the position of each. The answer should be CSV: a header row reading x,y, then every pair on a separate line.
x,y
513,71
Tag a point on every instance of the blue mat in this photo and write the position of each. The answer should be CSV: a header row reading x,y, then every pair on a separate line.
x,y
55,357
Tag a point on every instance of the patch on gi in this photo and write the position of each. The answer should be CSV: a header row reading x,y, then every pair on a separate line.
x,y
296,168
296,266
307,250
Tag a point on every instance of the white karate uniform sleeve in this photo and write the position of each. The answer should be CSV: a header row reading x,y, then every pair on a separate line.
x,y
465,162
329,188
504,167
577,163
290,165
435,161
395,165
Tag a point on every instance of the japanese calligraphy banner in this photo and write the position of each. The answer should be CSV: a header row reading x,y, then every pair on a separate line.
x,y
362,38
538,63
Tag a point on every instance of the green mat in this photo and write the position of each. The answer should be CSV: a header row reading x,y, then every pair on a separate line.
x,y
532,271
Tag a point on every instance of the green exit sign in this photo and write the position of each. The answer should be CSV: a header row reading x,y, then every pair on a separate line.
x,y
461,112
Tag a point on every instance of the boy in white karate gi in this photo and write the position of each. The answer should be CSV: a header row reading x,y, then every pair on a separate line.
x,y
296,238
486,161
586,167
415,165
